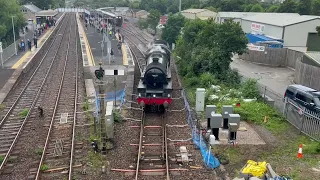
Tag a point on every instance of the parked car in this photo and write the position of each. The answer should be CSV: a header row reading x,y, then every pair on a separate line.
x,y
304,96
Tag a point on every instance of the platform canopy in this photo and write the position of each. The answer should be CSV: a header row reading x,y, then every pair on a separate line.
x,y
46,13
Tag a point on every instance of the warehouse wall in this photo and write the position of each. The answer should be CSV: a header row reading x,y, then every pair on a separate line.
x,y
297,35
269,30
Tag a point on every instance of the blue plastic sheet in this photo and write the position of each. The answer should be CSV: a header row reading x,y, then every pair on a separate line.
x,y
109,96
208,158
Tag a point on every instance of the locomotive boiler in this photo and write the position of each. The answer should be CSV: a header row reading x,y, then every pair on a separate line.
x,y
155,85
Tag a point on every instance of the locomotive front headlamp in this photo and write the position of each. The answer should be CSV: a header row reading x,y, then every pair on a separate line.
x,y
139,95
154,95
169,95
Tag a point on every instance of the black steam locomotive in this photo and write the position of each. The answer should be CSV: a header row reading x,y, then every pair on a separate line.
x,y
155,86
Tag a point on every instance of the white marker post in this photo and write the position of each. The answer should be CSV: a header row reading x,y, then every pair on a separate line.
x,y
1,51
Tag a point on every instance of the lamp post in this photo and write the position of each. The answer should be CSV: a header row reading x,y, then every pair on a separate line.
x,y
14,37
179,6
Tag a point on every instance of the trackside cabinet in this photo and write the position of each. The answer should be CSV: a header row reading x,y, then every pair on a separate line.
x,y
215,124
226,110
200,95
210,110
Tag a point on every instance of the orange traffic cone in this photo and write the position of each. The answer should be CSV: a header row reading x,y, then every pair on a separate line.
x,y
300,152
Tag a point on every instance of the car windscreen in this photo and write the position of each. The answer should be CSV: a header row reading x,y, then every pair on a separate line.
x,y
317,101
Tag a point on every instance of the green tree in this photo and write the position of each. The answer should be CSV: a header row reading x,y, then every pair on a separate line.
x,y
153,19
9,8
304,7
207,47
288,6
273,8
256,8
134,5
316,7
173,27
318,30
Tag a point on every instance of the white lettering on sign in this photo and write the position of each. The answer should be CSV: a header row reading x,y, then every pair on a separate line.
x,y
255,48
257,27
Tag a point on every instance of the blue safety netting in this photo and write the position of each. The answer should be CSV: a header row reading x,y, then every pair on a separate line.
x,y
109,96
208,157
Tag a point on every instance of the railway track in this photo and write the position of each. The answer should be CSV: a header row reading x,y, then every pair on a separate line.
x,y
152,151
22,159
21,103
59,145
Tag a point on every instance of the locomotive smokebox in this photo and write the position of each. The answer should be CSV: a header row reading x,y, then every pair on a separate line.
x,y
165,104
142,104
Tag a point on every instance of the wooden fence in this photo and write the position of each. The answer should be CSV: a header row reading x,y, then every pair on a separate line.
x,y
273,57
307,75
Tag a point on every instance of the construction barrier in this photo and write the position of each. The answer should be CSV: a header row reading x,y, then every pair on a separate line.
x,y
208,157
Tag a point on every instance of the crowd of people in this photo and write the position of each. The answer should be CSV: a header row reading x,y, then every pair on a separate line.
x,y
42,28
102,27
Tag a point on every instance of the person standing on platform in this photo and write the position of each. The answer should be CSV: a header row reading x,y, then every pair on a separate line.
x,y
112,55
29,45
23,45
35,42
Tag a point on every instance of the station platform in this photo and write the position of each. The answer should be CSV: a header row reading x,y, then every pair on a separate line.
x,y
96,47
16,64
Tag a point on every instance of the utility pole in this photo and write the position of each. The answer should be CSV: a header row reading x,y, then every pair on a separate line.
x,y
14,37
179,6
115,90
99,74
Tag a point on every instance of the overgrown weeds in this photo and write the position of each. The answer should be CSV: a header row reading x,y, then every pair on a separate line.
x,y
24,113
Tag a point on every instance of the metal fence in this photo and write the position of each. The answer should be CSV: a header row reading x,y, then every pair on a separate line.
x,y
305,120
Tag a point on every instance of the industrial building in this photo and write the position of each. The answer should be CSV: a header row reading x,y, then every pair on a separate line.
x,y
237,16
202,14
292,29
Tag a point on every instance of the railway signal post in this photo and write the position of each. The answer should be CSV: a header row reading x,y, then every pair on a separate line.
x,y
99,74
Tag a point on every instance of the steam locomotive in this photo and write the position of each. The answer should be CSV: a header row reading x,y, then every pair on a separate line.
x,y
155,85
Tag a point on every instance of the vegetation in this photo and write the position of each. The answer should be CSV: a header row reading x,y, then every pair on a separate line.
x,y
47,4
173,27
9,8
39,151
102,3
24,113
204,47
116,116
1,159
289,6
44,167
2,107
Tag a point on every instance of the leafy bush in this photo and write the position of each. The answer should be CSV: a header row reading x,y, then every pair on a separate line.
x,y
24,113
85,106
116,116
1,159
44,167
250,90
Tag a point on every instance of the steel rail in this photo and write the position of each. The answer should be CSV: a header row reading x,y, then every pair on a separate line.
x,y
34,100
55,108
140,143
75,108
166,145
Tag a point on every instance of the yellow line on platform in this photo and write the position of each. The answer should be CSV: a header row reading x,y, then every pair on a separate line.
x,y
88,49
124,52
27,54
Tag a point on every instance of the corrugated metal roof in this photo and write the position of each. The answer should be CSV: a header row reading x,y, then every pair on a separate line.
x,y
313,55
194,11
32,8
49,12
280,20
248,14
